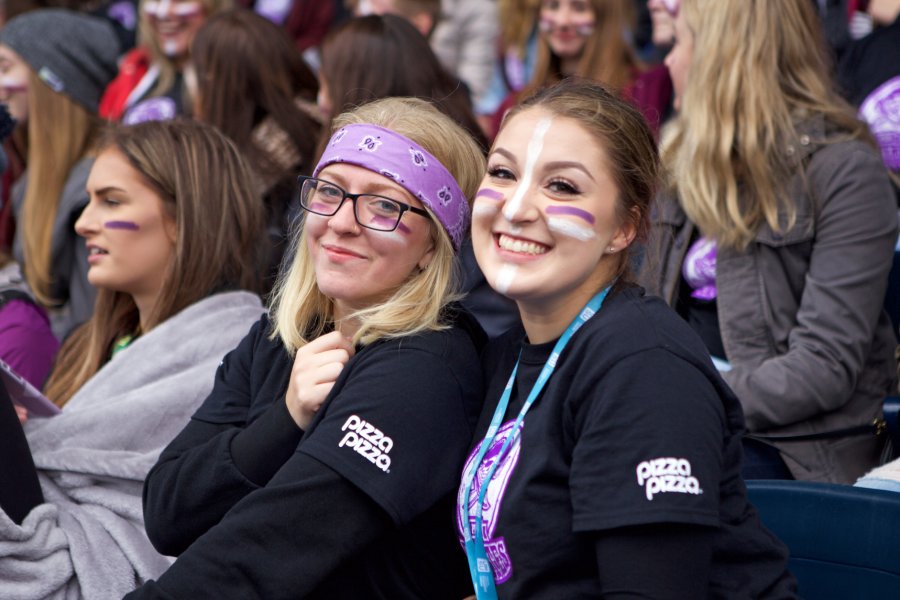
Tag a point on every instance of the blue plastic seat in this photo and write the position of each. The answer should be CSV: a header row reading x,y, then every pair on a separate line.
x,y
891,409
844,541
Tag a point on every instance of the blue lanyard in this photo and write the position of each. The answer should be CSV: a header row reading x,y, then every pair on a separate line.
x,y
479,565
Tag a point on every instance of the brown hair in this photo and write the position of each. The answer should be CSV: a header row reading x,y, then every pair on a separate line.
x,y
204,184
248,71
608,57
59,135
379,56
623,133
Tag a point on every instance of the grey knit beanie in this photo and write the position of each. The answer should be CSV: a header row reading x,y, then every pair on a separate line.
x,y
73,53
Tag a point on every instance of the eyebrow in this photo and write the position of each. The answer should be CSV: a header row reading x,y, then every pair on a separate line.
x,y
380,188
550,166
106,190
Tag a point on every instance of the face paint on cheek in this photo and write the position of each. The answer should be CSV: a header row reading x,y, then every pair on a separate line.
x,y
571,210
487,202
535,147
546,25
12,86
505,278
126,225
385,222
570,229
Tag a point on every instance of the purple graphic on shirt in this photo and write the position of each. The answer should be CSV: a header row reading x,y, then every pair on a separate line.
x,y
152,109
699,269
881,110
495,547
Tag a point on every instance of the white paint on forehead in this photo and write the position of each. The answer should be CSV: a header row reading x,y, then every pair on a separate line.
x,y
535,147
505,278
573,230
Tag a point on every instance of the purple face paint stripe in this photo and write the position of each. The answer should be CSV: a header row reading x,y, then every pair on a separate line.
x,y
572,211
489,194
130,226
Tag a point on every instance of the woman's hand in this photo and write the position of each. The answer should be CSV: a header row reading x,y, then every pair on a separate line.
x,y
316,367
22,413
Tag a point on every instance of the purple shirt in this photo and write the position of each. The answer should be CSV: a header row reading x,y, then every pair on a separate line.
x,y
26,342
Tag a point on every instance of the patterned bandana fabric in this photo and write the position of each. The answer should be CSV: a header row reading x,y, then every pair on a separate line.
x,y
401,159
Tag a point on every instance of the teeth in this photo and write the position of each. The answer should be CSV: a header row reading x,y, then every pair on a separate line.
x,y
93,251
514,245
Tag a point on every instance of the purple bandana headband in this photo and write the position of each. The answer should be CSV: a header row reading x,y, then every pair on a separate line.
x,y
390,154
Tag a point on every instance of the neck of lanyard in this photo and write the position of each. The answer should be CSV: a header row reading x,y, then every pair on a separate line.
x,y
479,565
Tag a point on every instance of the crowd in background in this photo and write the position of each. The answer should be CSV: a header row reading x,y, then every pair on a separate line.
x,y
157,159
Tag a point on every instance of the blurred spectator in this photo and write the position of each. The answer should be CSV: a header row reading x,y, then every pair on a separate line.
x,y
153,80
773,178
372,57
254,87
872,83
52,84
591,40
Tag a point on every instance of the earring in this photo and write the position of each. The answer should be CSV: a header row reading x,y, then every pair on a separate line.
x,y
612,250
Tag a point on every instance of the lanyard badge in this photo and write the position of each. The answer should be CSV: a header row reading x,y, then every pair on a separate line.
x,y
479,564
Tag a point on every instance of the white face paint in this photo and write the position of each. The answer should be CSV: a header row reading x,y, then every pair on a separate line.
x,y
505,278
573,230
485,207
535,147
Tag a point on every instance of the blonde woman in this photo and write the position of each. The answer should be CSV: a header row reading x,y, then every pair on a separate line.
x,y
52,85
323,463
777,237
153,81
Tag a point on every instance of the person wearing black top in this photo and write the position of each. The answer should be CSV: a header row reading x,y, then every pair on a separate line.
x,y
323,463
608,455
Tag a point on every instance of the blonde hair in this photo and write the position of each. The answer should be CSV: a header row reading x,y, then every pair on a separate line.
x,y
301,312
758,69
607,58
60,133
167,69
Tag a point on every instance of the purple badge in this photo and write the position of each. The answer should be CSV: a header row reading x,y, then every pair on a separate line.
x,y
152,109
699,269
881,110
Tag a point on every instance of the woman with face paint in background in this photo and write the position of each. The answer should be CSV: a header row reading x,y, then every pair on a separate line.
x,y
610,464
172,231
52,85
773,178
254,87
323,463
154,81
590,39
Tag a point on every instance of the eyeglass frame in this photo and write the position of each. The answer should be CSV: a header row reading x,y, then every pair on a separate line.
x,y
404,207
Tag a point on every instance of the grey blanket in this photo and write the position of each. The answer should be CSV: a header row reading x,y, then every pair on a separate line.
x,y
87,540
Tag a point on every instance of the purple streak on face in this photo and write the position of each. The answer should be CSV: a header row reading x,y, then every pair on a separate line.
x,y
385,222
130,226
572,211
490,194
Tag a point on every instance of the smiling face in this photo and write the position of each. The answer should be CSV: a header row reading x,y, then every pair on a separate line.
x,y
359,267
678,61
545,228
14,83
663,23
174,24
130,238
566,25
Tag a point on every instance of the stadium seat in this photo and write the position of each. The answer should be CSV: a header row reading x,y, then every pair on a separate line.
x,y
844,541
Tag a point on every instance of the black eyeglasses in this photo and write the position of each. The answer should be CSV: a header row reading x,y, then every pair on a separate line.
x,y
371,210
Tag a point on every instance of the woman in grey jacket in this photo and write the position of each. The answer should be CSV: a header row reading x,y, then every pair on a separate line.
x,y
777,234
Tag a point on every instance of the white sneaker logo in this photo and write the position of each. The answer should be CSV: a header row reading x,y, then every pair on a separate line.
x,y
667,475
368,441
